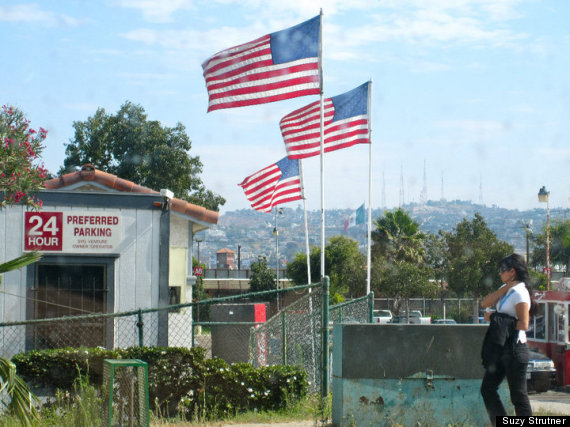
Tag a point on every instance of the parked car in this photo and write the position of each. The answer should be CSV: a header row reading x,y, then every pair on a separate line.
x,y
481,320
541,372
382,316
415,318
443,322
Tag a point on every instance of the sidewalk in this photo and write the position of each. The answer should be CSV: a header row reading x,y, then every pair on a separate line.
x,y
552,401
557,402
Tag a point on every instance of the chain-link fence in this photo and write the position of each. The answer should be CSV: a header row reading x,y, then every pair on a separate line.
x,y
292,337
285,326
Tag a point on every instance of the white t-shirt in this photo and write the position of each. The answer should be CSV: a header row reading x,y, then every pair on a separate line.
x,y
508,302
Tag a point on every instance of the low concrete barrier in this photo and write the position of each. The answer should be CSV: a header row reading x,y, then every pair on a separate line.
x,y
409,374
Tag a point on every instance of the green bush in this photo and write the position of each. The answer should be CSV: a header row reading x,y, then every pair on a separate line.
x,y
180,379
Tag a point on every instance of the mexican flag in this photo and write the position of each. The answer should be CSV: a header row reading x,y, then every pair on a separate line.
x,y
355,218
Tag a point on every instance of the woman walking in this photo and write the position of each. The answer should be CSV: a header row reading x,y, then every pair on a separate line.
x,y
505,352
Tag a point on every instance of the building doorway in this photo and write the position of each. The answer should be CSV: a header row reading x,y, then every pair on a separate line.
x,y
70,286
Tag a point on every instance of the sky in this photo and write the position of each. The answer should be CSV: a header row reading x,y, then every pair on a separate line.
x,y
472,94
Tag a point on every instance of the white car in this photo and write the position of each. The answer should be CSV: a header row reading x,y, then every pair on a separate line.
x,y
381,316
444,322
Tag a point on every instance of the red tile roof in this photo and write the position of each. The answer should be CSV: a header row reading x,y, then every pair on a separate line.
x,y
89,173
225,251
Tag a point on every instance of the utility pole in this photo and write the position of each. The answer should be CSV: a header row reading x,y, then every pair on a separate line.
x,y
276,234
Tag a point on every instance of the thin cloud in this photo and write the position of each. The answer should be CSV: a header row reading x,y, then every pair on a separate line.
x,y
32,13
158,11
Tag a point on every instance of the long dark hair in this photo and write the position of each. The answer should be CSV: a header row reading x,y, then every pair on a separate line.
x,y
517,262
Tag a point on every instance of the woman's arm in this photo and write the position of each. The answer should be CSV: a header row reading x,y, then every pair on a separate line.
x,y
522,315
492,298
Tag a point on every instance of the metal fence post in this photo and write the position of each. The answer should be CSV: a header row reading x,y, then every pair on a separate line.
x,y
371,307
140,325
284,335
325,338
192,325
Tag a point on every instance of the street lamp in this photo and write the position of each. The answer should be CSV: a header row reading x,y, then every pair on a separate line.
x,y
276,234
543,198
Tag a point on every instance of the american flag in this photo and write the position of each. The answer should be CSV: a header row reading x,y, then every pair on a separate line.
x,y
278,66
345,124
273,185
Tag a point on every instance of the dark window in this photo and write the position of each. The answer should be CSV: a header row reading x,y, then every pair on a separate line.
x,y
69,287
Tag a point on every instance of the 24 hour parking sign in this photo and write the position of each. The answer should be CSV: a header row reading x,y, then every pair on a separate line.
x,y
72,231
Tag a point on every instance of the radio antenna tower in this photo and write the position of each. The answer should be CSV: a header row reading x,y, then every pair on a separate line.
x,y
423,194
401,185
481,190
442,198
383,191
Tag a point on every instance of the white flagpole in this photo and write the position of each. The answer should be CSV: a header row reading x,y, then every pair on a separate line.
x,y
368,255
306,226
322,153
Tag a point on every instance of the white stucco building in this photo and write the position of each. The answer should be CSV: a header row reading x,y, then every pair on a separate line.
x,y
108,246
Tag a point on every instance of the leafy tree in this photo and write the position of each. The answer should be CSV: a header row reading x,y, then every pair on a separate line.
x,y
129,145
436,260
297,269
262,277
21,173
473,252
559,245
403,280
344,264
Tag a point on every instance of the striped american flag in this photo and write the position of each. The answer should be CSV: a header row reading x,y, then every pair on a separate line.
x,y
273,185
278,66
345,124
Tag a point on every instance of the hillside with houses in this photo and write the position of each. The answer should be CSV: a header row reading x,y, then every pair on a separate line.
x,y
253,231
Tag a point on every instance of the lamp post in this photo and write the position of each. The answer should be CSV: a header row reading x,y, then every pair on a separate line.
x,y
543,196
276,234
198,241
239,258
528,231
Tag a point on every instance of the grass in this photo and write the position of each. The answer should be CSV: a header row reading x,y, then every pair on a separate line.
x,y
313,408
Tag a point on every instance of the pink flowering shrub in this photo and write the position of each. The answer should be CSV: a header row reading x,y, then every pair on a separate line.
x,y
21,172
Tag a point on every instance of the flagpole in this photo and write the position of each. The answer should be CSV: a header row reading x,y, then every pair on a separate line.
x,y
368,255
322,152
306,226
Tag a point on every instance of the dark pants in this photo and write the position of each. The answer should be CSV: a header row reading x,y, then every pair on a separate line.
x,y
513,365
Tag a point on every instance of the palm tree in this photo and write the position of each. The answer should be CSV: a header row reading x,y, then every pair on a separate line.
x,y
399,265
398,237
20,400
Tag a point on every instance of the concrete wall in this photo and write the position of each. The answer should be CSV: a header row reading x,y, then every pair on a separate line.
x,y
385,374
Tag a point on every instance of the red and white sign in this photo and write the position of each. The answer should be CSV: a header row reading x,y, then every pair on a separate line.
x,y
72,231
43,231
198,271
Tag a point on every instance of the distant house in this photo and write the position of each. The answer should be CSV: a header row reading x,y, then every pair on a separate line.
x,y
108,245
225,258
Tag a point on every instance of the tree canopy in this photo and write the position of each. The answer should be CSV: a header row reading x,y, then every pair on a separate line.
x,y
262,277
559,245
473,253
344,264
132,147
